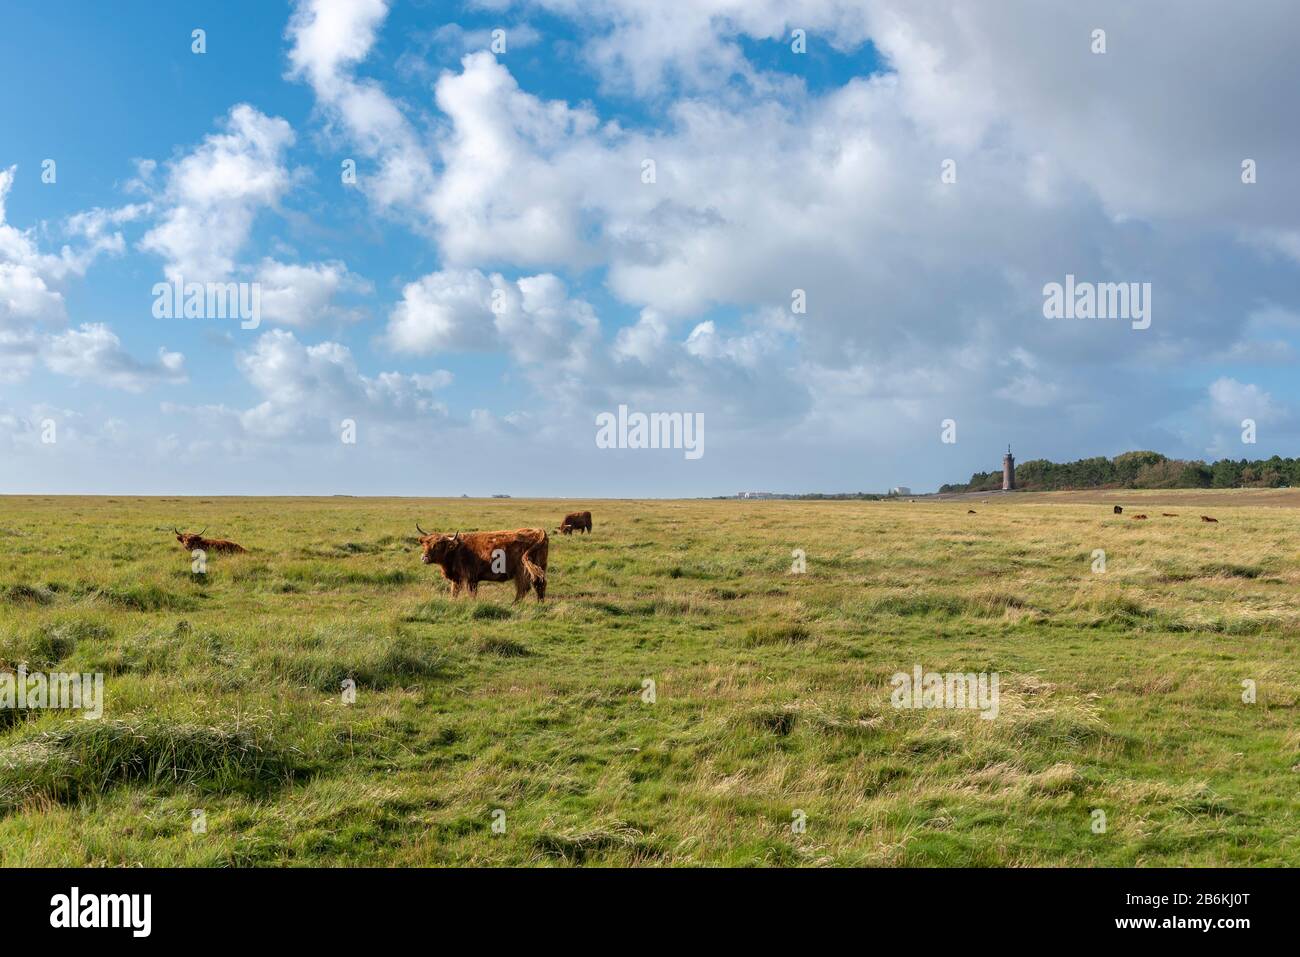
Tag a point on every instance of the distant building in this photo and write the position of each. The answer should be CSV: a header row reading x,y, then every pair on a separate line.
x,y
755,495
1008,471
900,490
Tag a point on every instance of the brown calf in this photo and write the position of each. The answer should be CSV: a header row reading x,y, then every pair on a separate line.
x,y
193,540
467,559
575,521
1206,518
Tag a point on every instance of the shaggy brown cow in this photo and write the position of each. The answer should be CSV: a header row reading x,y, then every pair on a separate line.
x,y
193,540
467,559
575,522
1119,509
1206,518
1139,517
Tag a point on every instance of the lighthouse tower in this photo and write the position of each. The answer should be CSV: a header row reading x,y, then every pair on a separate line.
x,y
1008,471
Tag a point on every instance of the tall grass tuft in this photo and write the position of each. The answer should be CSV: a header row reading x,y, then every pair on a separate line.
x,y
85,759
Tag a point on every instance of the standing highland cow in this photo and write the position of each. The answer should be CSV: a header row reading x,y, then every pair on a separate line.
x,y
467,559
575,521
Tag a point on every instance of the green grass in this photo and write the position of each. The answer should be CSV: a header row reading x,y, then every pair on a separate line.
x,y
224,692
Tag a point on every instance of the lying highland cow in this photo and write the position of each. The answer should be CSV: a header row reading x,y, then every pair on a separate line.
x,y
195,540
467,559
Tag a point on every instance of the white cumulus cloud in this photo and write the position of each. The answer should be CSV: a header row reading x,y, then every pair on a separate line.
x,y
93,353
214,193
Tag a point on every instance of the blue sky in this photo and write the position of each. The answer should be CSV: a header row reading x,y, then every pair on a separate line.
x,y
517,178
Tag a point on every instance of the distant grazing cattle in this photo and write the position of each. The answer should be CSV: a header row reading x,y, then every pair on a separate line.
x,y
1119,510
467,559
193,540
1169,514
1139,518
575,522
1206,518
971,511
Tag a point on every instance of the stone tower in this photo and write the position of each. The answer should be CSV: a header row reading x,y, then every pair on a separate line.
x,y
1008,471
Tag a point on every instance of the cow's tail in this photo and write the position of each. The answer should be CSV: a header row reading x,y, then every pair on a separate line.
x,y
536,573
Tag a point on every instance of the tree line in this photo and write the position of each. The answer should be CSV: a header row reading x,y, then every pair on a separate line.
x,y
1140,470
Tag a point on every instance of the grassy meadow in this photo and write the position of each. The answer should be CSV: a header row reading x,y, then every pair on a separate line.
x,y
1120,691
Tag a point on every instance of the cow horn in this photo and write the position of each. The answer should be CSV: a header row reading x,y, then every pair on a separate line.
x,y
419,529
456,537
177,530
205,528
